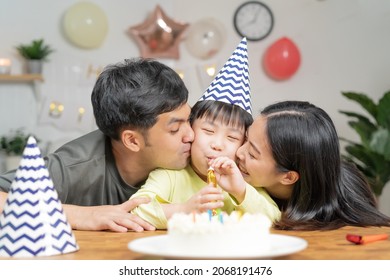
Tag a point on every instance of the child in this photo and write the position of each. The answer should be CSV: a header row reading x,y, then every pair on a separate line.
x,y
292,150
219,120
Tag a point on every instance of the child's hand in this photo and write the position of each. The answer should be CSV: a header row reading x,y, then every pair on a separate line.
x,y
207,198
229,177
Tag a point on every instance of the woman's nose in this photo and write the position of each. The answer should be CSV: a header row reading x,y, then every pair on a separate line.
x,y
240,152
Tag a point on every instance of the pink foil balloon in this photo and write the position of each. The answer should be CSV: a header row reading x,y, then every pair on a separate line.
x,y
282,59
159,36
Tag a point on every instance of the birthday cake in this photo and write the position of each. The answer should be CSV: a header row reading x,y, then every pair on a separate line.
x,y
220,235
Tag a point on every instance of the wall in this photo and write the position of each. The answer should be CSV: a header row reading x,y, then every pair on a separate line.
x,y
344,46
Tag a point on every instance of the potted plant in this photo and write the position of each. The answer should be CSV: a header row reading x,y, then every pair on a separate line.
x,y
13,146
372,153
35,53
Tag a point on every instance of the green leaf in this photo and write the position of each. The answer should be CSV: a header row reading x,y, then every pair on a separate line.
x,y
15,142
383,115
361,156
372,154
347,141
364,129
380,142
366,102
35,50
372,164
357,116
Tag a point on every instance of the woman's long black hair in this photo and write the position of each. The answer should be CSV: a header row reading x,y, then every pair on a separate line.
x,y
330,193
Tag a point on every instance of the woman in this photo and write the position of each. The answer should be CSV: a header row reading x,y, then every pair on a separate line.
x,y
292,150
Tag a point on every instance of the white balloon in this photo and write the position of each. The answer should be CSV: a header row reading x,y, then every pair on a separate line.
x,y
205,38
85,25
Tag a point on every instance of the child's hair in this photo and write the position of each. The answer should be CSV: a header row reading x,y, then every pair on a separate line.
x,y
330,193
229,114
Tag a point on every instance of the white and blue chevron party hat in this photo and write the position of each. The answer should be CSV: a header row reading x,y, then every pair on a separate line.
x,y
231,85
33,222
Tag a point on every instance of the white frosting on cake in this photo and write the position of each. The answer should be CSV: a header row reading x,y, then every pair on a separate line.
x,y
220,235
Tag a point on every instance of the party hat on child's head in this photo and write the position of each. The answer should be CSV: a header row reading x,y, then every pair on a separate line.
x,y
231,85
33,222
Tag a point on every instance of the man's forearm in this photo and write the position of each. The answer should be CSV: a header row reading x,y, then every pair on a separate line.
x,y
74,214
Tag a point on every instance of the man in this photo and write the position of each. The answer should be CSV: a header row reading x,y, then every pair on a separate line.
x,y
141,110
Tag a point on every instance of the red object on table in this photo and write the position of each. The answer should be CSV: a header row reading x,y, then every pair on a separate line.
x,y
364,239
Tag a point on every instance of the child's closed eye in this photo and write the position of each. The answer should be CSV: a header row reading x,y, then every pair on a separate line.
x,y
234,138
208,131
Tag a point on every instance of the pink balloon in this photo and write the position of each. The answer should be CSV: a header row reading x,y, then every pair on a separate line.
x,y
282,59
159,36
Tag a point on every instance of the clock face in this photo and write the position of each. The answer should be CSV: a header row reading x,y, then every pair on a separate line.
x,y
253,20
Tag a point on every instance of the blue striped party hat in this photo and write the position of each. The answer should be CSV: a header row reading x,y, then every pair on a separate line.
x,y
32,222
231,85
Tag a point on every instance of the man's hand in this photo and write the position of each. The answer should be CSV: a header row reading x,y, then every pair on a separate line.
x,y
108,217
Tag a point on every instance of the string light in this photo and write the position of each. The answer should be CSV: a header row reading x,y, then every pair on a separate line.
x,y
56,109
81,113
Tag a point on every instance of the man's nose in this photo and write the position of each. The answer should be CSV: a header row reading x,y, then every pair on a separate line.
x,y
189,135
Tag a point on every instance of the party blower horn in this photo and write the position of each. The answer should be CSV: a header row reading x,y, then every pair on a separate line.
x,y
33,222
211,179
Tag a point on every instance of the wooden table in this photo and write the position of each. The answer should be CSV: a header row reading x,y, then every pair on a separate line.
x,y
322,245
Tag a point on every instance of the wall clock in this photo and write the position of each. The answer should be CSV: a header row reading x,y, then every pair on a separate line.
x,y
253,20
